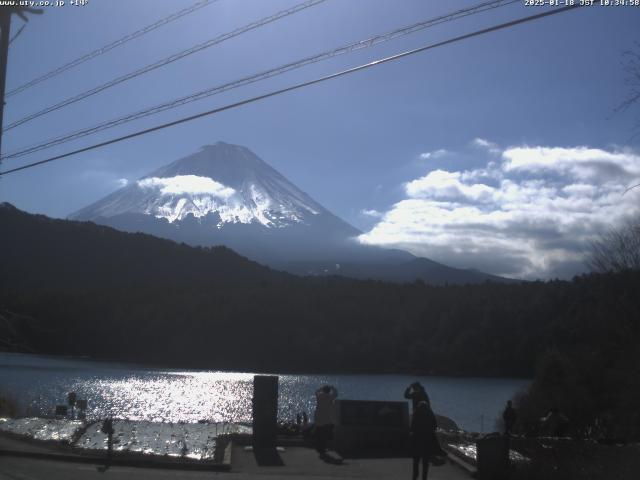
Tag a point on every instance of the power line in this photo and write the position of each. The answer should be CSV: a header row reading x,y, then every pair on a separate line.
x,y
391,58
166,61
99,51
17,34
369,42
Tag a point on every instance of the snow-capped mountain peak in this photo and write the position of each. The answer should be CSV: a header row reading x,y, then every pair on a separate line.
x,y
226,181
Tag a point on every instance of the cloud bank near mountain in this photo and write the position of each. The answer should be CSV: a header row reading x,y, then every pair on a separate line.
x,y
187,184
527,212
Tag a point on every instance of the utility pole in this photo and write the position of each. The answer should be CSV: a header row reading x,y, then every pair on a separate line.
x,y
5,25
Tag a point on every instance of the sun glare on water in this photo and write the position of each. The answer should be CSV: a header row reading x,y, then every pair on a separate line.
x,y
174,397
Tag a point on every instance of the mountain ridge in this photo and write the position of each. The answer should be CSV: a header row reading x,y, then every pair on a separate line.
x,y
88,255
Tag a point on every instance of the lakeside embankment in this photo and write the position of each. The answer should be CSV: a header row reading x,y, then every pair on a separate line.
x,y
195,441
532,458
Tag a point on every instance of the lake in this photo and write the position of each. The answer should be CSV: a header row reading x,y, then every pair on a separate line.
x,y
38,383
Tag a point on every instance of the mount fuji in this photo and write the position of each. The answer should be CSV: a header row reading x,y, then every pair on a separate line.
x,y
226,195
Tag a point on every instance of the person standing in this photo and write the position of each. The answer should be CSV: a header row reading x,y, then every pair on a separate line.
x,y
416,393
555,423
107,427
423,438
509,416
325,397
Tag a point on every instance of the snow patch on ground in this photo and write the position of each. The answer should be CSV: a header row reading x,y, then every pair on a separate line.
x,y
470,451
61,430
190,440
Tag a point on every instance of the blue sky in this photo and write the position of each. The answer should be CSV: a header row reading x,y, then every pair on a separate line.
x,y
500,153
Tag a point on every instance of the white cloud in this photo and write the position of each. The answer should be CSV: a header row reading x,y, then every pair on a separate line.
x,y
578,162
435,154
101,179
485,144
187,184
447,185
531,212
371,213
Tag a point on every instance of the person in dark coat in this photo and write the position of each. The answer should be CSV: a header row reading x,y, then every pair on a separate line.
x,y
423,438
416,393
509,416
325,398
107,427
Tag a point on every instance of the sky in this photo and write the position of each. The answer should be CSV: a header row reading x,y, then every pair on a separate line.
x,y
502,152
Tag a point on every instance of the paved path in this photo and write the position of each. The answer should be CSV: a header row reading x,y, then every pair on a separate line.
x,y
299,463
302,462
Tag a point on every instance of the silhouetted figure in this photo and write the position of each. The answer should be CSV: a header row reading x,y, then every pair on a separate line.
x,y
299,422
107,427
509,416
185,449
71,401
423,438
416,393
81,406
554,423
325,396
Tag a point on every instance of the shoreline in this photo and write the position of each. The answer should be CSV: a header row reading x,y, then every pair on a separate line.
x,y
194,442
151,366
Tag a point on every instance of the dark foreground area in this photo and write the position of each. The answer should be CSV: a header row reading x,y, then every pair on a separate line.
x,y
296,462
550,458
556,458
570,459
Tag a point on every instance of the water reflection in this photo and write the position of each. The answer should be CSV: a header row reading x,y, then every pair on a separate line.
x,y
172,397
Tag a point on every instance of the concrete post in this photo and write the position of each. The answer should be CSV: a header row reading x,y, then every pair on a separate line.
x,y
265,411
